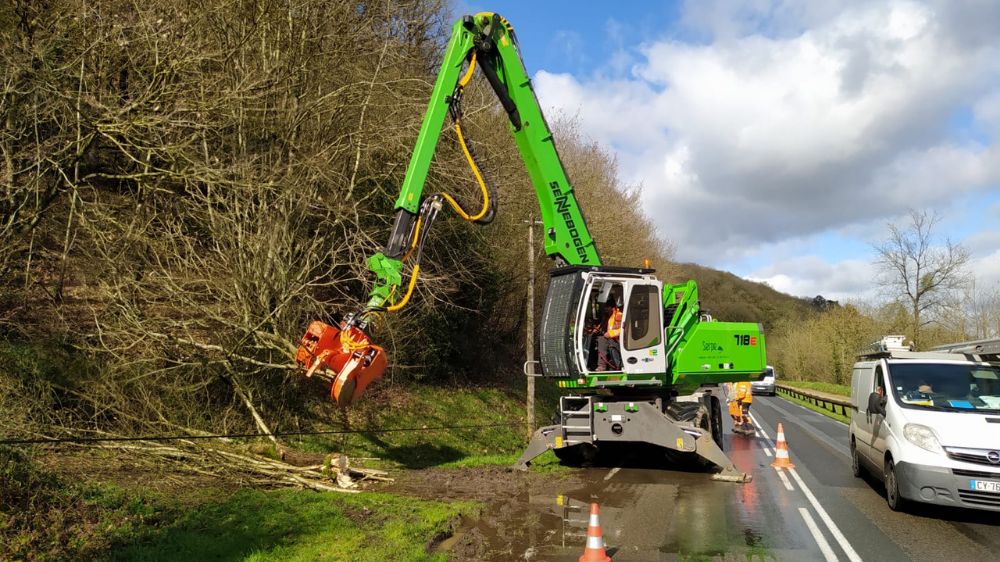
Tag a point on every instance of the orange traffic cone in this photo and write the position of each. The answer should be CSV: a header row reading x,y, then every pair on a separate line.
x,y
594,552
781,459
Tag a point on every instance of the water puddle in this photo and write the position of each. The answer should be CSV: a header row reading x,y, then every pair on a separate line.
x,y
645,514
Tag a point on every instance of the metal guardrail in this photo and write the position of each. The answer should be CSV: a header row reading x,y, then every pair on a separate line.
x,y
825,402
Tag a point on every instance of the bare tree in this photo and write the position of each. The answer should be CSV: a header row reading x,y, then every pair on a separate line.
x,y
978,315
919,273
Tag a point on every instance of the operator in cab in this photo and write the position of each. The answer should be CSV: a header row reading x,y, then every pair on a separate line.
x,y
608,350
739,407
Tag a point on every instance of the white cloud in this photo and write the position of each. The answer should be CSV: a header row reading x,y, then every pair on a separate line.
x,y
796,120
808,276
987,269
985,242
987,112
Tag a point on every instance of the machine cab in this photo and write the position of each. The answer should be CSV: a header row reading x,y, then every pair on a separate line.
x,y
603,322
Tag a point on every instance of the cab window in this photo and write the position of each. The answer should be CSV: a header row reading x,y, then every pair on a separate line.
x,y
642,317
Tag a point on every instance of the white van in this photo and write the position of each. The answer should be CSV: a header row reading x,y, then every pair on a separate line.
x,y
934,436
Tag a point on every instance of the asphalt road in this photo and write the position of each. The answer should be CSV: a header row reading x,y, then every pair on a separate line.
x,y
816,511
819,449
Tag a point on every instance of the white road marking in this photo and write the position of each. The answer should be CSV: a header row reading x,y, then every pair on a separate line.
x,y
759,427
824,546
759,431
834,530
612,472
784,479
841,539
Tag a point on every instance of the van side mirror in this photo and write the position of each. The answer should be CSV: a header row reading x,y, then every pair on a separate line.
x,y
876,403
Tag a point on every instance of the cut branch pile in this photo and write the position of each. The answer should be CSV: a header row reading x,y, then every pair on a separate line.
x,y
232,463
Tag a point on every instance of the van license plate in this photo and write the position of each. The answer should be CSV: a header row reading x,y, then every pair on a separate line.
x,y
984,486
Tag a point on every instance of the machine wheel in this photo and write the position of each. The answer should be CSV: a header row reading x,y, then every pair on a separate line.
x,y
703,418
716,421
896,502
703,421
696,414
855,460
684,411
701,415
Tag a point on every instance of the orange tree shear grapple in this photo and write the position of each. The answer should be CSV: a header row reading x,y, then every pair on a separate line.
x,y
345,350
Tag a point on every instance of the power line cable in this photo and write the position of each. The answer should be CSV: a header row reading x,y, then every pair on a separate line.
x,y
59,440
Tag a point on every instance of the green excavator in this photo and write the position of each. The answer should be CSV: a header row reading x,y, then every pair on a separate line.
x,y
655,379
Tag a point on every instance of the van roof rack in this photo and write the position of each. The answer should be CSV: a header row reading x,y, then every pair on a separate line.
x,y
885,347
894,347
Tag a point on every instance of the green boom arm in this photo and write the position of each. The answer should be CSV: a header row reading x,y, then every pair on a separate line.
x,y
489,39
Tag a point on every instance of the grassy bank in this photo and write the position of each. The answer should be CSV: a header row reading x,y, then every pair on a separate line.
x,y
293,525
829,388
89,516
45,517
481,426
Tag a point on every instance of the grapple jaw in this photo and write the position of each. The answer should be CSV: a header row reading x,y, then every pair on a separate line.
x,y
347,352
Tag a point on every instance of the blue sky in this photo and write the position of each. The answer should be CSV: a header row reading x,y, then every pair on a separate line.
x,y
776,138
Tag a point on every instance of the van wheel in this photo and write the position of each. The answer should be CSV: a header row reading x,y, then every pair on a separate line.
x,y
892,497
855,460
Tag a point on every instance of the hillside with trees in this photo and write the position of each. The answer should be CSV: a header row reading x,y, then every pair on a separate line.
x,y
731,298
186,185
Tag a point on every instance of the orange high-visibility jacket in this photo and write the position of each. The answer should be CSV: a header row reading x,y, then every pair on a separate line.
x,y
743,393
736,410
614,324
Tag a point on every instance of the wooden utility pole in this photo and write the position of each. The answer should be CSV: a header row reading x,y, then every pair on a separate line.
x,y
529,365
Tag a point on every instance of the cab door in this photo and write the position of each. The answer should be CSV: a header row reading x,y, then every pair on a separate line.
x,y
642,345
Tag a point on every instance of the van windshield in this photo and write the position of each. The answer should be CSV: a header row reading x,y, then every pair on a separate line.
x,y
947,387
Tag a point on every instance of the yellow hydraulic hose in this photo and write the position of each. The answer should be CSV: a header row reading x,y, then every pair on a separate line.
x,y
479,179
349,343
416,238
451,200
468,73
416,270
468,157
409,290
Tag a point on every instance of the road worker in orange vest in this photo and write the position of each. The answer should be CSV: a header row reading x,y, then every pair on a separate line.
x,y
608,350
739,407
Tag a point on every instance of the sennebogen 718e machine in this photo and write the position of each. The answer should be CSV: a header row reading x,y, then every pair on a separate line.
x,y
666,347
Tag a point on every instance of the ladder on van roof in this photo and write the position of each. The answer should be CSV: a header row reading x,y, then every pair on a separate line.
x,y
988,349
894,347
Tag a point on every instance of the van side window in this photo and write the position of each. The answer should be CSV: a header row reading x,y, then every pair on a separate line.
x,y
879,379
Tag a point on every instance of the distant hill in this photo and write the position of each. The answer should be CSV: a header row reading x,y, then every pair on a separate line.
x,y
728,297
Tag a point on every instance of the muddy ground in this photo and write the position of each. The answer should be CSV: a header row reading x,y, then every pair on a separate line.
x,y
507,517
647,513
